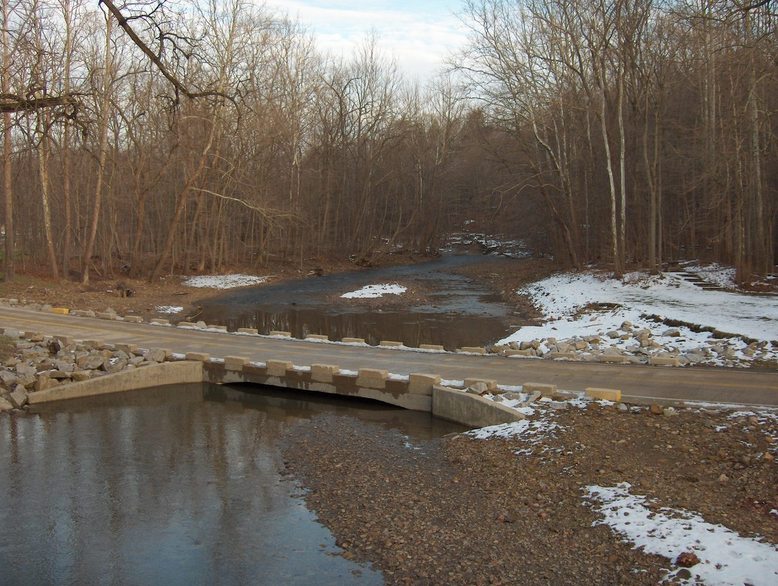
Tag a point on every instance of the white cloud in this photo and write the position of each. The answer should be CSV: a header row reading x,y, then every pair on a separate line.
x,y
419,36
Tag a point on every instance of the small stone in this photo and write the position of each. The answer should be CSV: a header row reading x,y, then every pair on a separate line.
x,y
723,479
5,404
687,559
656,409
622,407
115,364
504,517
478,388
155,355
684,574
64,366
44,382
669,411
91,362
81,375
8,379
768,457
18,397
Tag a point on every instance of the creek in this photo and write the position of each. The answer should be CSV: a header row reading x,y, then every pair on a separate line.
x,y
174,485
455,310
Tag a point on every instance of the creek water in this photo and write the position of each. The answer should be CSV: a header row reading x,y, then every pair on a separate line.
x,y
175,485
456,310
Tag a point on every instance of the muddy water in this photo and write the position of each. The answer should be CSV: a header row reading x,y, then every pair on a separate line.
x,y
180,485
457,311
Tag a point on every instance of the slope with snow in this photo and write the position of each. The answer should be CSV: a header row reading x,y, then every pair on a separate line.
x,y
638,299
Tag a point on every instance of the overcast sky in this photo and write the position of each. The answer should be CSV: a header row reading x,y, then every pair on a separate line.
x,y
418,34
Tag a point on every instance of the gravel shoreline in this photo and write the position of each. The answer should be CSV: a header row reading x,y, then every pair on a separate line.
x,y
460,510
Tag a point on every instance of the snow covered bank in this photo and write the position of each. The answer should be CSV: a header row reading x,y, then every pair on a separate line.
x,y
223,281
594,314
375,291
724,556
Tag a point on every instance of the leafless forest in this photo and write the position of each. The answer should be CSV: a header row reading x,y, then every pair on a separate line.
x,y
200,135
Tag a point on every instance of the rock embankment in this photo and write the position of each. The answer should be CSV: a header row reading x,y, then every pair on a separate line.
x,y
672,346
33,362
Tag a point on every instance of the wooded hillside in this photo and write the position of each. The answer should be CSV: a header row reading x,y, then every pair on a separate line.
x,y
159,136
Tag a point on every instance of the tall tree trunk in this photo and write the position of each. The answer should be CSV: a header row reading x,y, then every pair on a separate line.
x,y
105,105
43,169
7,153
68,228
611,181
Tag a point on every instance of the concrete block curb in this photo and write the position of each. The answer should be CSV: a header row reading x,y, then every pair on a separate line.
x,y
422,384
604,394
235,362
544,389
323,373
372,378
280,333
277,367
472,350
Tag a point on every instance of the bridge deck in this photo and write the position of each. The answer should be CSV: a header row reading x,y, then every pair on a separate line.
x,y
758,387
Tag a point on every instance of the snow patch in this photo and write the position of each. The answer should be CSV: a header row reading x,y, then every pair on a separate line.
x,y
375,291
223,281
533,430
725,557
168,309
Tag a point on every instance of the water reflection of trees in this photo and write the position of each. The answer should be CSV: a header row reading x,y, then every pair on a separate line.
x,y
413,329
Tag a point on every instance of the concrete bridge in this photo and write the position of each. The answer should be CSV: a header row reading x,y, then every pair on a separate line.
x,y
395,375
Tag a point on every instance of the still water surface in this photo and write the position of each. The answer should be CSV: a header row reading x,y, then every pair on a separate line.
x,y
455,311
177,485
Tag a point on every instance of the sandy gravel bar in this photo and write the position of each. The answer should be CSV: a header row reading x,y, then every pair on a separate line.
x,y
460,510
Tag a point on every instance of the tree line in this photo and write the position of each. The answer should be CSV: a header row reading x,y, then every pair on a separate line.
x,y
152,137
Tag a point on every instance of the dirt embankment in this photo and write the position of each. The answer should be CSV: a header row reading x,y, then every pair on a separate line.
x,y
467,511
169,290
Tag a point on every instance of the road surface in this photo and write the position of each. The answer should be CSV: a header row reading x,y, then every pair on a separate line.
x,y
637,382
